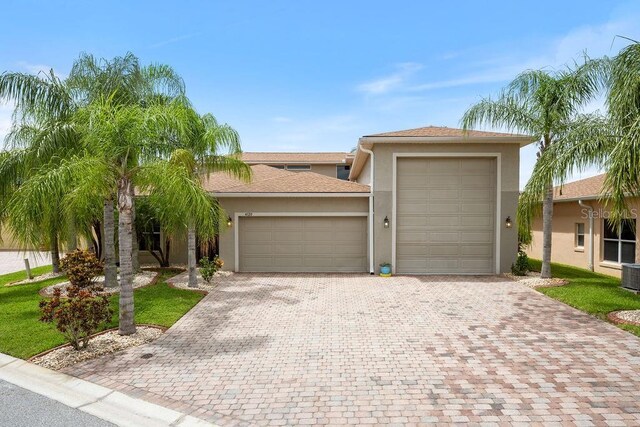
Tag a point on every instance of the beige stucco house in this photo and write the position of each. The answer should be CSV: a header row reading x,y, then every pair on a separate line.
x,y
428,201
582,234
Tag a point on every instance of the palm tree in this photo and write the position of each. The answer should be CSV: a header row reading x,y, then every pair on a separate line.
x,y
202,154
40,136
129,147
609,141
545,105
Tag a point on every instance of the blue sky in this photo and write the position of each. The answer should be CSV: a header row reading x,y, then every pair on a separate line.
x,y
314,76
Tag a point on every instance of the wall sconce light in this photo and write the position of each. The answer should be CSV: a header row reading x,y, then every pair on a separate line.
x,y
229,222
385,222
508,223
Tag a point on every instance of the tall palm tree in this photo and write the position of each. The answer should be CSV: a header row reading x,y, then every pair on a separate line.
x,y
129,147
211,147
611,141
544,105
40,136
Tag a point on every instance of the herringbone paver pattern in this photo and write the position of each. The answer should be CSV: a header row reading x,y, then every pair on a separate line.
x,y
336,349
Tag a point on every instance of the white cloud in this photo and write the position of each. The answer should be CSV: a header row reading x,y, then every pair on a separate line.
x,y
34,68
390,82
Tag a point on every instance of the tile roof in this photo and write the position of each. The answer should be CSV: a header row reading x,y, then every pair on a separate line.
x,y
444,132
328,157
588,187
267,179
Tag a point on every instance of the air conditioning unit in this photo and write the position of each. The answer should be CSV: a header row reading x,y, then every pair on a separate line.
x,y
631,277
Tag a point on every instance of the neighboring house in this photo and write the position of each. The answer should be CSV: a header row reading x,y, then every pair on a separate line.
x,y
428,201
583,236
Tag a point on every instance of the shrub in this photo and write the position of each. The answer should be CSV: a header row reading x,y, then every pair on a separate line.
x,y
521,266
208,268
81,267
78,316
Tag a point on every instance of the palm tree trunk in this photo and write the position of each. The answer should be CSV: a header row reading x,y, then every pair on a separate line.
x,y
55,253
125,238
547,217
135,249
110,269
191,255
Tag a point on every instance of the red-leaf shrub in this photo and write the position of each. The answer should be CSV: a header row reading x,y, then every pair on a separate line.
x,y
78,316
81,267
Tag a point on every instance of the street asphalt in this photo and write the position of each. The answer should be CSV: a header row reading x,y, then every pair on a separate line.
x,y
23,408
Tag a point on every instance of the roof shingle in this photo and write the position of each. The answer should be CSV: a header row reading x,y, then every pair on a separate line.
x,y
444,132
283,158
267,179
588,187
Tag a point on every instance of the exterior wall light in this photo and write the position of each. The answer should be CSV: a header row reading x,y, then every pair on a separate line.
x,y
229,222
508,223
385,222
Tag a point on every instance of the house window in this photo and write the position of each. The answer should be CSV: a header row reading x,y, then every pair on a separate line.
x,y
149,237
277,166
342,172
579,240
298,167
619,247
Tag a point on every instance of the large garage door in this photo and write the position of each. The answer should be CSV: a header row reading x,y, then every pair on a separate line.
x,y
303,244
445,215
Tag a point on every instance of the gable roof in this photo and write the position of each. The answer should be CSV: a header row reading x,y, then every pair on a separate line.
x,y
293,158
588,188
267,179
442,132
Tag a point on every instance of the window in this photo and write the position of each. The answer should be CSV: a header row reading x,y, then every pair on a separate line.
x,y
342,172
579,240
277,166
619,248
298,167
149,237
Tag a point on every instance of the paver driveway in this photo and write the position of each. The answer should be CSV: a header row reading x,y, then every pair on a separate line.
x,y
329,349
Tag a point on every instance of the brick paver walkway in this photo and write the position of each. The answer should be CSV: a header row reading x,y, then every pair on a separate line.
x,y
299,349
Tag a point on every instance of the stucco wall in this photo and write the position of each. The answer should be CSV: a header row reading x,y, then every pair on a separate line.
x,y
233,205
383,191
563,250
6,241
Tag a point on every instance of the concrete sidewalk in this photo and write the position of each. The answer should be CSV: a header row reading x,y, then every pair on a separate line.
x,y
12,261
92,399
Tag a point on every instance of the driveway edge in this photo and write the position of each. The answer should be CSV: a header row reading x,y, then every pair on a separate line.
x,y
102,402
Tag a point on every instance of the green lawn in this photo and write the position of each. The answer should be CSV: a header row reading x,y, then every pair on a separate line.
x,y
23,335
596,294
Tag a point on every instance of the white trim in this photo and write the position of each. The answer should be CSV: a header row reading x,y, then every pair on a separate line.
x,y
238,215
394,197
287,195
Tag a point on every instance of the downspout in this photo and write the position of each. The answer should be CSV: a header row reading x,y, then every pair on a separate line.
x,y
581,203
372,269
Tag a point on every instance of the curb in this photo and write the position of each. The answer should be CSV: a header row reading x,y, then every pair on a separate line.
x,y
109,405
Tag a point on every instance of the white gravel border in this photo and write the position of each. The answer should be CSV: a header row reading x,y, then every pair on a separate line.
x,y
631,316
106,343
35,279
533,280
141,279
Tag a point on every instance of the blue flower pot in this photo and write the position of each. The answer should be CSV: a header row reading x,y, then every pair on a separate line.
x,y
385,269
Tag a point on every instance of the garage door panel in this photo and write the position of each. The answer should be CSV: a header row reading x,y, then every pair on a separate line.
x,y
483,250
412,251
302,244
440,250
448,224
473,222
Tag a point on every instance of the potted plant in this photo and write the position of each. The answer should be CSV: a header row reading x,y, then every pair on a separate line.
x,y
385,269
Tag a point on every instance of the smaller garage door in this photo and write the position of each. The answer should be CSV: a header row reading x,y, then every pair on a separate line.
x,y
303,244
